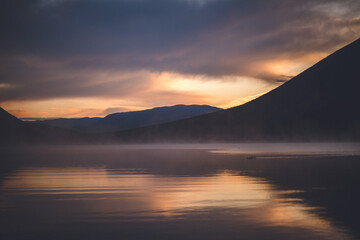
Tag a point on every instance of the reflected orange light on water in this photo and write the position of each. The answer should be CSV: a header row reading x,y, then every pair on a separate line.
x,y
127,193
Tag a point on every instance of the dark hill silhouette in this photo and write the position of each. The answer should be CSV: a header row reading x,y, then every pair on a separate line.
x,y
320,104
15,131
12,129
128,120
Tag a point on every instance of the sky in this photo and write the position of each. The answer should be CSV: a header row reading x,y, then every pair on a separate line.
x,y
79,58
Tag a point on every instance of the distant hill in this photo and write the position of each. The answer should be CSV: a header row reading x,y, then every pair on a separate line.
x,y
129,120
15,131
320,104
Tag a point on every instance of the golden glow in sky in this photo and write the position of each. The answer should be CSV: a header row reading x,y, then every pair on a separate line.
x,y
167,89
161,89
164,89
124,56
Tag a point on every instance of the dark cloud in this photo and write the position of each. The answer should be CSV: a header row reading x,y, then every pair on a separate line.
x,y
60,48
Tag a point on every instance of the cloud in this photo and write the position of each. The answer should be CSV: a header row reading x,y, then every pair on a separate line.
x,y
32,79
52,49
114,110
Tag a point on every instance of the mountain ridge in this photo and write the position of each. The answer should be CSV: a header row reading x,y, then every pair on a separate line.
x,y
14,131
132,119
316,105
319,104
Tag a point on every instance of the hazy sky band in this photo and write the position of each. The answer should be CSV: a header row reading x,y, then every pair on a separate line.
x,y
130,54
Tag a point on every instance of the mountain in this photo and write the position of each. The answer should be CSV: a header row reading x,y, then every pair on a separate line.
x,y
128,120
320,104
11,128
15,131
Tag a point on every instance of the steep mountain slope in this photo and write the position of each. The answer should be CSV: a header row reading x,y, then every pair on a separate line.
x,y
319,104
11,128
135,119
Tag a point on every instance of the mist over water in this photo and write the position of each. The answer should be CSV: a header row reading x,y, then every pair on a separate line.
x,y
203,191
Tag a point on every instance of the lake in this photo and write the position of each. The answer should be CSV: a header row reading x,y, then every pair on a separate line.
x,y
202,191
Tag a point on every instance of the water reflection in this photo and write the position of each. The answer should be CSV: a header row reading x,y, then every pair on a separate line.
x,y
134,195
191,195
154,195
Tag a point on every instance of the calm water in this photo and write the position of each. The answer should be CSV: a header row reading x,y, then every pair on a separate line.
x,y
247,191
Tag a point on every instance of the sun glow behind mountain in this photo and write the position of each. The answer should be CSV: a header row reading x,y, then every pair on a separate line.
x,y
91,58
